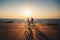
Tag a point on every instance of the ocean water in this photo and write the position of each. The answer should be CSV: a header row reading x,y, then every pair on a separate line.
x,y
44,21
48,21
14,20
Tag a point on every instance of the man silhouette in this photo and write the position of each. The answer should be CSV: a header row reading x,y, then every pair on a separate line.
x,y
32,23
31,20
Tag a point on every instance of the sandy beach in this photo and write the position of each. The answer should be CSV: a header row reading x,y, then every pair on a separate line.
x,y
16,31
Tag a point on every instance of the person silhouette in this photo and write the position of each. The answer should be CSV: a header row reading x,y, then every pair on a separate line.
x,y
32,23
32,20
28,21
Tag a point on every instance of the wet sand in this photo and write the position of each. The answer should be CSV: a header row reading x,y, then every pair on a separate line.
x,y
15,31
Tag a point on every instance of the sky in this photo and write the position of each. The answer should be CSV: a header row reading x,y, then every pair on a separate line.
x,y
39,8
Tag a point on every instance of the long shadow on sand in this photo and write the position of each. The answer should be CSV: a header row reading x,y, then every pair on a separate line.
x,y
29,34
40,35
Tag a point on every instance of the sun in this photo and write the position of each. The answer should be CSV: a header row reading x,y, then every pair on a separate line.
x,y
27,13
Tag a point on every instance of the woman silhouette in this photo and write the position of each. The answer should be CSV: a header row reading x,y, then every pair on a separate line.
x,y
28,21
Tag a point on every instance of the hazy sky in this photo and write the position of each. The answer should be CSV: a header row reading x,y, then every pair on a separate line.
x,y
38,8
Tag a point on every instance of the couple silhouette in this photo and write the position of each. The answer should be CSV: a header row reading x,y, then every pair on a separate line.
x,y
30,21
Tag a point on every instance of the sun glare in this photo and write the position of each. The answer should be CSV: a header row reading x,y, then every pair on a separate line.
x,y
27,13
